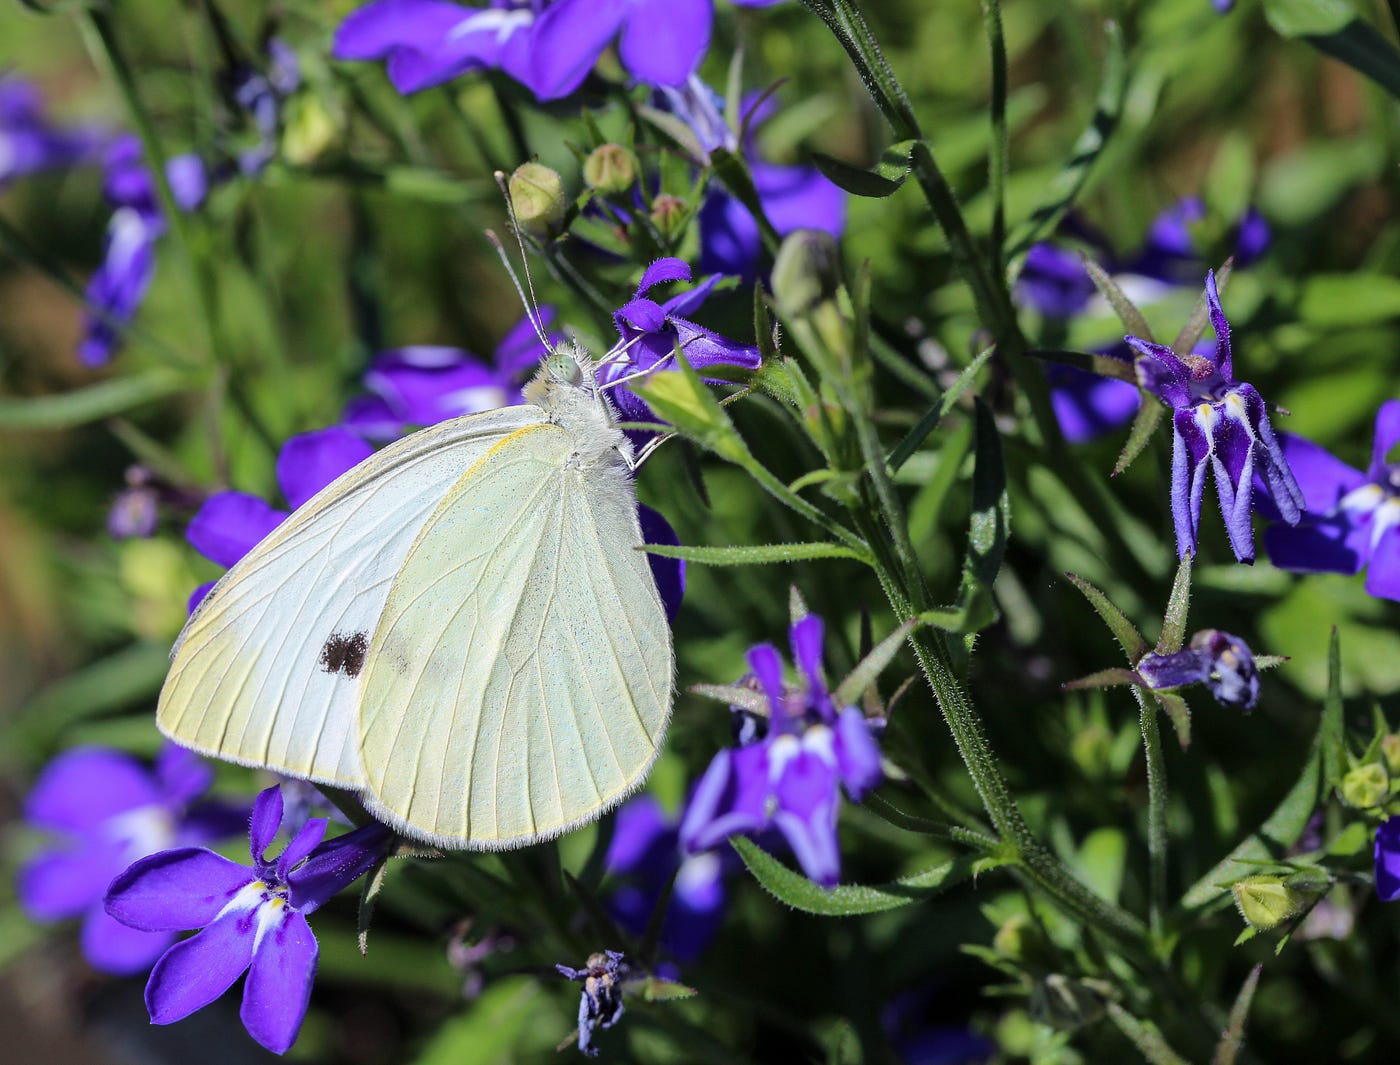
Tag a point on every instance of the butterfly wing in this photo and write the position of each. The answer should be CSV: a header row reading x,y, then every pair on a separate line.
x,y
519,682
269,670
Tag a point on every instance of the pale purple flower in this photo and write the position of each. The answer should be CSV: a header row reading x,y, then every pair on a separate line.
x,y
1223,663
1219,424
1353,518
600,1005
651,331
252,920
789,770
29,143
104,810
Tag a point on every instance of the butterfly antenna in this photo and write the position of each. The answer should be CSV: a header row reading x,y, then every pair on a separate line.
x,y
532,305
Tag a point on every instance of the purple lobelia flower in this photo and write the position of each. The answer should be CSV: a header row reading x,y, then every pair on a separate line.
x,y
792,197
105,810
644,855
1388,859
413,387
1219,424
259,95
252,920
788,770
29,143
229,524
1223,663
600,1005
651,331
1352,519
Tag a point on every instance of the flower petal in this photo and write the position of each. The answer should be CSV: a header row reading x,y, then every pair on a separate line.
x,y
1224,362
306,840
857,753
336,864
183,775
376,30
230,524
266,820
1387,436
730,798
1322,477
729,237
799,197
663,41
568,39
1387,853
175,890
83,787
1383,573
309,462
63,884
669,573
278,989
767,666
641,836
806,816
196,971
662,270
117,949
520,350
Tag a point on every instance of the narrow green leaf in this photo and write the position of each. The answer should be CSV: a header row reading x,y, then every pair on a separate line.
x,y
1146,1036
847,900
680,397
735,695
750,556
655,989
1283,827
1302,18
1070,182
1144,425
1232,1039
1200,314
844,20
881,180
906,448
1102,365
869,668
83,405
1178,604
990,525
112,683
1126,309
1178,713
1104,678
1128,637
1334,28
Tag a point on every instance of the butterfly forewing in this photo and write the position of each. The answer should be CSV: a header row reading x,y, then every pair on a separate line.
x,y
269,670
519,682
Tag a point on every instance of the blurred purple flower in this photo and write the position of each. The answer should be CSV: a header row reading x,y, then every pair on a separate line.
x,y
229,524
107,810
1223,663
1352,517
650,332
29,144
1219,424
788,771
644,855
253,920
1388,859
1087,405
792,197
413,387
259,94
600,1005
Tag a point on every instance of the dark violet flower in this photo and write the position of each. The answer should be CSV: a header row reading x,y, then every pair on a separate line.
x,y
788,774
644,855
413,387
106,810
29,144
792,197
600,1005
1388,859
252,920
229,524
1352,517
1218,424
651,331
1223,663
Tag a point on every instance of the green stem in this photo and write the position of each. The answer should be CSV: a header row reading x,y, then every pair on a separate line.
x,y
997,155
776,488
1156,814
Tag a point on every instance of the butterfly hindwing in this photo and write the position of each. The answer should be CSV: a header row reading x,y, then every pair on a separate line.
x,y
269,670
519,681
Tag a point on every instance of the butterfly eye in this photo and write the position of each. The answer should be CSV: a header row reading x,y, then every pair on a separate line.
x,y
563,368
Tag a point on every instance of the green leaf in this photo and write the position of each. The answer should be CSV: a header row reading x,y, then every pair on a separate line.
x,y
906,448
990,524
1232,1039
869,668
1101,365
83,405
1174,703
1146,1036
490,1032
680,397
128,676
1301,18
1283,827
1144,425
881,180
655,989
1343,300
845,21
1178,604
1104,678
847,900
740,555
1126,309
1128,637
1333,28
1070,182
735,695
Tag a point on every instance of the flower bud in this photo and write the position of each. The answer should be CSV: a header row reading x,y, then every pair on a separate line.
x,y
807,271
1365,787
537,195
1390,751
310,130
669,214
1267,901
611,169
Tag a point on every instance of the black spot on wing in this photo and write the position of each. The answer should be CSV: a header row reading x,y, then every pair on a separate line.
x,y
345,653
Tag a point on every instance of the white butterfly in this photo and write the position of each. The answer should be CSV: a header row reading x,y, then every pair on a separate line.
x,y
461,629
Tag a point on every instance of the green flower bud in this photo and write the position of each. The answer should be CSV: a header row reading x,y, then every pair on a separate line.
x,y
537,195
669,214
807,271
611,169
1365,787
1265,902
1390,751
310,130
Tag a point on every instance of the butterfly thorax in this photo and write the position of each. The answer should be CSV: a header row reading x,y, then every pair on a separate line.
x,y
566,390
